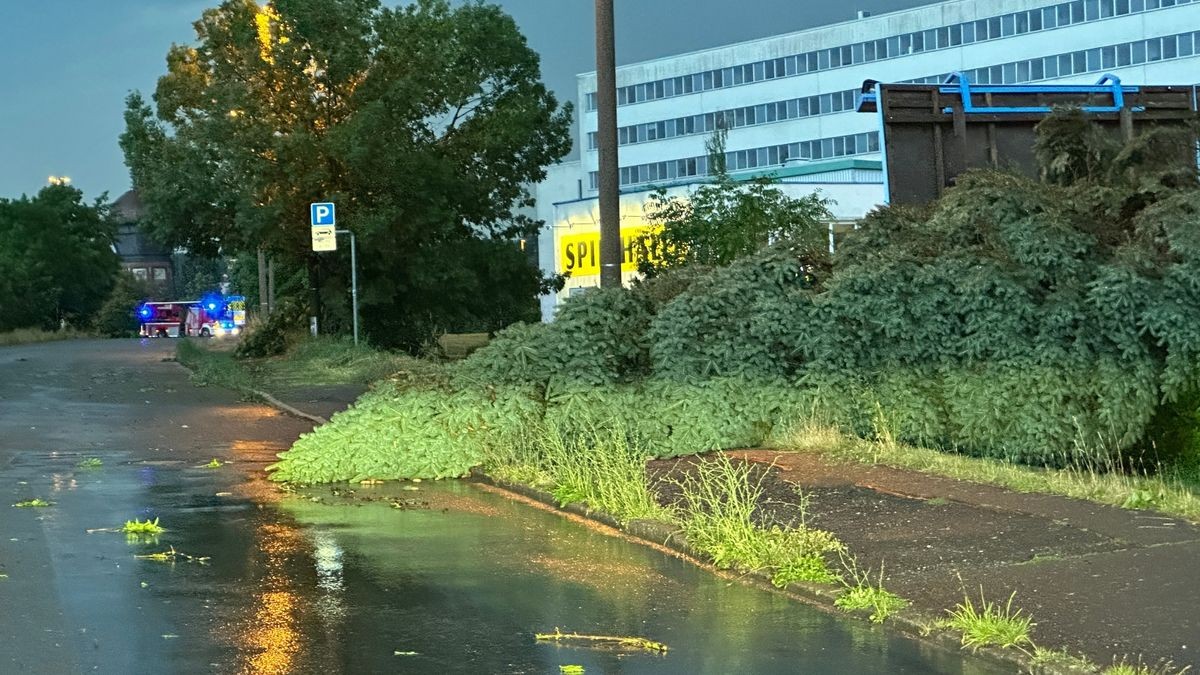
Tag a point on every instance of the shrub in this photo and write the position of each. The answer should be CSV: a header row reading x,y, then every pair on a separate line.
x,y
419,431
732,323
271,336
597,338
118,316
522,354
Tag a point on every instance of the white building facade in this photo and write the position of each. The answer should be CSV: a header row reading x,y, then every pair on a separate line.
x,y
789,101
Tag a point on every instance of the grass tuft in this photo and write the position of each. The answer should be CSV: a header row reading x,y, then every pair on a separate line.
x,y
861,594
990,624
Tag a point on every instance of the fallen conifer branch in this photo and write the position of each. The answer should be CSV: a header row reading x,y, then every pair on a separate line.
x,y
172,555
602,640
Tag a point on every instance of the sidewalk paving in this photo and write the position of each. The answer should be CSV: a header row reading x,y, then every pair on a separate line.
x,y
1097,580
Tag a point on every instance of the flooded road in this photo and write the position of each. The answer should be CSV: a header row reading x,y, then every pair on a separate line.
x,y
427,578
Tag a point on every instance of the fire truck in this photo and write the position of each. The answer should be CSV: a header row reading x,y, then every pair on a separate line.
x,y
207,317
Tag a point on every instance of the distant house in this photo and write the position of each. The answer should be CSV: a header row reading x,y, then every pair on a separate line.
x,y
143,257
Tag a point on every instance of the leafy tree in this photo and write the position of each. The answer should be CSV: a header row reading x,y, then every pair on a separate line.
x,y
424,123
56,258
117,317
727,219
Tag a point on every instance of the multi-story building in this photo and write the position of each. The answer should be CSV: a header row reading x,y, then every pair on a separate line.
x,y
140,255
789,100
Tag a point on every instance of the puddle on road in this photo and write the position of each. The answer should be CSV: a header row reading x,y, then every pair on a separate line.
x,y
459,581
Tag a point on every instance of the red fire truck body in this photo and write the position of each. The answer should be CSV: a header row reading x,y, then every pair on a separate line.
x,y
177,319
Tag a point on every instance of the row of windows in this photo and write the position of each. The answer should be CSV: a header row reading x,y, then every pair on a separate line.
x,y
807,106
148,273
1006,25
1085,61
1032,70
741,160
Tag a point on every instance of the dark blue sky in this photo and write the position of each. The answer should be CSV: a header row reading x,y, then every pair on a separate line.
x,y
67,65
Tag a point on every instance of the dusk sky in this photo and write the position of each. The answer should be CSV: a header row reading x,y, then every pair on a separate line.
x,y
66,66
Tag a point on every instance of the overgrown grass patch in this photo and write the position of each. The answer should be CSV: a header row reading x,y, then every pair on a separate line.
x,y
716,510
214,368
603,468
330,361
25,336
321,361
1098,482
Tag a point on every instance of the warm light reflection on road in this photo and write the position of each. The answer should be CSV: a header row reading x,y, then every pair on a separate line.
x,y
270,641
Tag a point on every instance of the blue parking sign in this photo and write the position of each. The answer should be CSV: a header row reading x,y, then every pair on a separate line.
x,y
323,213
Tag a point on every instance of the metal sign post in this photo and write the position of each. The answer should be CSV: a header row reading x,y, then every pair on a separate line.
x,y
353,280
324,238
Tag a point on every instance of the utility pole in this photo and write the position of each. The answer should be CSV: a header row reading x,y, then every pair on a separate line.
x,y
264,307
353,280
271,285
606,141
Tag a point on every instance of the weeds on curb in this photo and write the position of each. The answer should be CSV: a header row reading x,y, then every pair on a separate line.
x,y
990,624
604,469
1040,657
716,512
1124,667
861,594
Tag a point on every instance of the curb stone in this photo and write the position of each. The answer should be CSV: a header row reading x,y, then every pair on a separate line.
x,y
915,624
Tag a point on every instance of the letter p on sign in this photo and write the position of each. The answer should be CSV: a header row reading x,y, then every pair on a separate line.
x,y
323,213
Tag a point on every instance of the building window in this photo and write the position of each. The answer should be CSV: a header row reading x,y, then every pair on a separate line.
x,y
160,273
140,273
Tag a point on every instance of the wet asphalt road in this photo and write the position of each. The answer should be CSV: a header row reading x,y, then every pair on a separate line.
x,y
77,602
436,578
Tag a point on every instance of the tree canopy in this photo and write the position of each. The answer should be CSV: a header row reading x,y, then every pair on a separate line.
x,y
726,219
56,258
425,123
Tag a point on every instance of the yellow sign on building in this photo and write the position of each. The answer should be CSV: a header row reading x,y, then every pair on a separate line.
x,y
579,254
